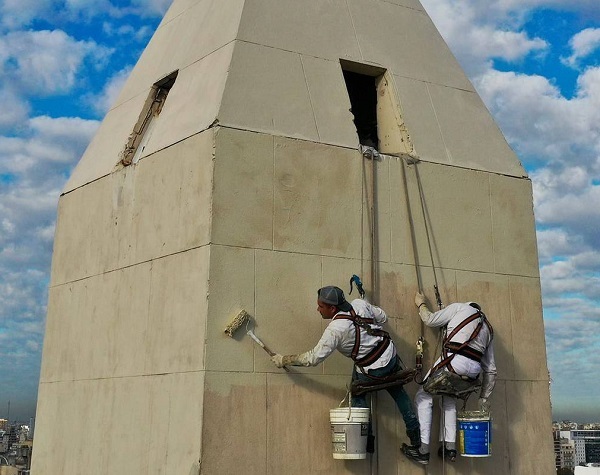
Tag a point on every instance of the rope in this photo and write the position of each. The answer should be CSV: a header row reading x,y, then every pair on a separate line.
x,y
421,340
370,153
374,296
424,211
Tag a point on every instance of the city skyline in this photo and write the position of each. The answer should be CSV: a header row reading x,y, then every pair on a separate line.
x,y
535,63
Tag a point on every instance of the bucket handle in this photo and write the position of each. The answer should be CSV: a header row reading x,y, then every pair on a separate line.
x,y
349,397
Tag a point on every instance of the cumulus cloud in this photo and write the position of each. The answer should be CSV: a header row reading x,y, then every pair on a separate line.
x,y
45,62
583,44
106,98
479,32
14,109
17,13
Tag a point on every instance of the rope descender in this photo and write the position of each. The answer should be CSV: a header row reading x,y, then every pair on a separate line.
x,y
359,285
418,378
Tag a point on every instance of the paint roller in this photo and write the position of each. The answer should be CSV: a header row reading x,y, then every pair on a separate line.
x,y
237,322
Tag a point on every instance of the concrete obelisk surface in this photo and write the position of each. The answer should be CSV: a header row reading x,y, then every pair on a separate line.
x,y
228,175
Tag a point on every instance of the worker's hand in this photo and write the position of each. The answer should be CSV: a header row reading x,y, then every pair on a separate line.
x,y
277,360
419,299
484,405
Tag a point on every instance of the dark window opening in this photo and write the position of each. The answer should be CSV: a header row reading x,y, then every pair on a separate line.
x,y
362,90
147,120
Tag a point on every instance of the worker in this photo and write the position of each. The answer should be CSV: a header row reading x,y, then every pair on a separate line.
x,y
356,331
467,351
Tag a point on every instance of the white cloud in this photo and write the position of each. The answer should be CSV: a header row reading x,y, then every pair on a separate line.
x,y
46,62
50,144
479,31
557,242
108,96
156,7
583,44
17,13
14,109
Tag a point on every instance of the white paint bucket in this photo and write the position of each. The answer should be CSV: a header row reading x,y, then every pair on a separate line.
x,y
349,431
474,434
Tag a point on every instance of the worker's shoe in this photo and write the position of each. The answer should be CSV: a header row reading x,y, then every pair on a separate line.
x,y
447,454
412,453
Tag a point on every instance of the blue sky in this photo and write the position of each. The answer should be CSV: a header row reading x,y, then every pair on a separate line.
x,y
535,63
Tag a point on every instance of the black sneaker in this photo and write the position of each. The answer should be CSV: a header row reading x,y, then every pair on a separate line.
x,y
412,453
448,454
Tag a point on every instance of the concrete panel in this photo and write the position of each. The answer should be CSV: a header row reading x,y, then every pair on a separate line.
x,y
286,306
153,415
330,102
117,304
515,246
99,223
406,42
404,212
193,102
530,433
231,289
389,436
243,189
182,40
419,116
102,154
492,292
175,423
472,138
376,210
298,426
235,435
85,241
277,79
312,27
529,349
177,8
306,174
458,206
70,339
106,334
171,197
178,307
59,299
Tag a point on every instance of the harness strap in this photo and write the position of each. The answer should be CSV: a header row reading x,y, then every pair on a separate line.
x,y
466,351
462,349
365,324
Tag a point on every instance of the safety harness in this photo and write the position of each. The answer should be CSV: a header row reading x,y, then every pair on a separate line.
x,y
451,348
365,324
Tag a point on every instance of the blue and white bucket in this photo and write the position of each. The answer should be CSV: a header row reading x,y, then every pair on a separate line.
x,y
474,434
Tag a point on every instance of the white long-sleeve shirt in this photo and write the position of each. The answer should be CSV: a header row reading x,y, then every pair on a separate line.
x,y
340,334
452,316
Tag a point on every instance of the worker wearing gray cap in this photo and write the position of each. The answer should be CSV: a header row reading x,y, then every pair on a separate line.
x,y
356,331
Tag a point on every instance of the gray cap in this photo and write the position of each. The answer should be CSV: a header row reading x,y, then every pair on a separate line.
x,y
334,296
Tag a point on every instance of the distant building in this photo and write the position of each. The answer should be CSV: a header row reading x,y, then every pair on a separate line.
x,y
556,438
31,428
3,424
592,469
576,447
